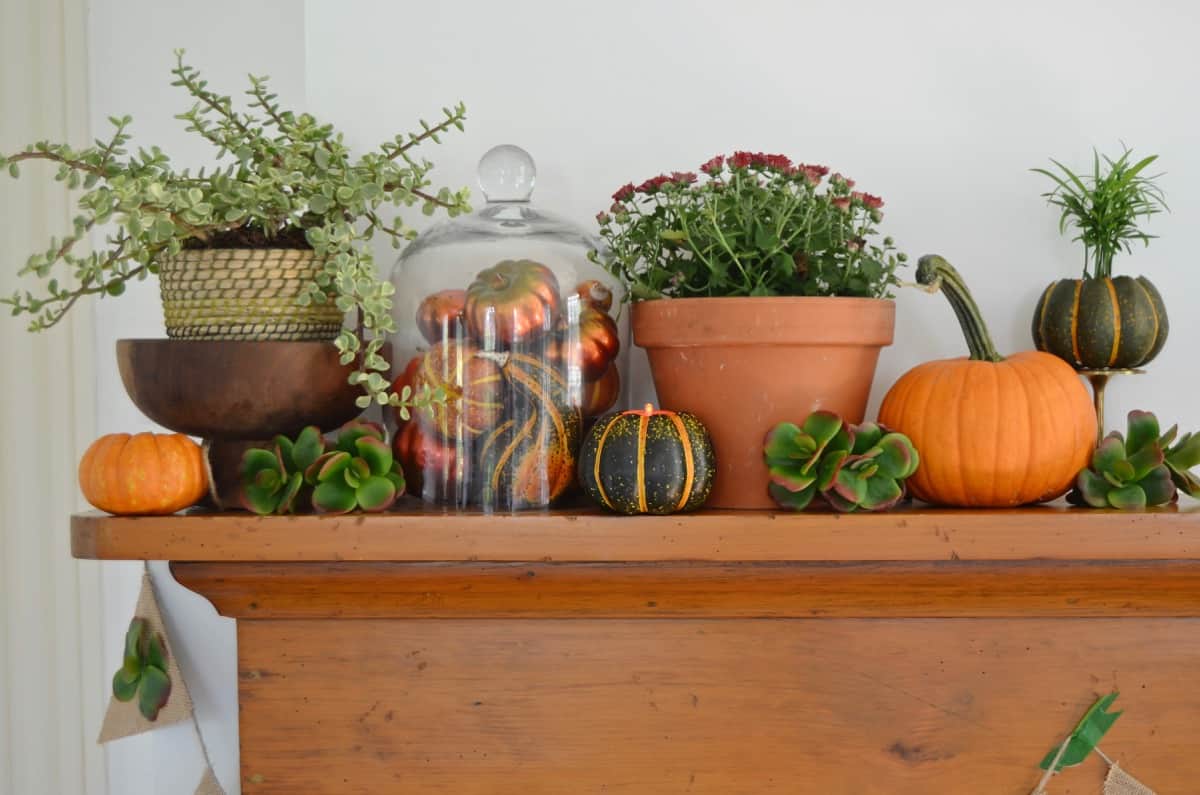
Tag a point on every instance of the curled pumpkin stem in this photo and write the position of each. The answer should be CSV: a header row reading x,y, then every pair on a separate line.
x,y
935,274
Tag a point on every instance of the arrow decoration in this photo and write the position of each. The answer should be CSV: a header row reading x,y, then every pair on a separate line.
x,y
1094,725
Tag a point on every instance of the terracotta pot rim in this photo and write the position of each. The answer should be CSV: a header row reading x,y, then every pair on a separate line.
x,y
771,321
661,303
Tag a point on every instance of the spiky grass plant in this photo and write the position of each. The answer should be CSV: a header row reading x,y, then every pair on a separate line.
x,y
1104,207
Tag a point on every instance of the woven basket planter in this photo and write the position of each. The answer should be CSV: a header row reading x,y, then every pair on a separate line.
x,y
243,294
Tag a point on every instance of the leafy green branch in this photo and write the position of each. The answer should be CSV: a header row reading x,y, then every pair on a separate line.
x,y
275,171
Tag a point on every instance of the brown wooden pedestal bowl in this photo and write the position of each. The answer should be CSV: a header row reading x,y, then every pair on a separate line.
x,y
235,394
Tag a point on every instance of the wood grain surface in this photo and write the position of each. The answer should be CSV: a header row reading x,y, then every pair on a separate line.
x,y
909,653
671,590
418,533
863,707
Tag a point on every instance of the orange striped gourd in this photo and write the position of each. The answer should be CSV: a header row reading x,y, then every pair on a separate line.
x,y
473,385
647,461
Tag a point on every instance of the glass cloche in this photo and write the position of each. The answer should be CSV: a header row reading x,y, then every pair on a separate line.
x,y
503,310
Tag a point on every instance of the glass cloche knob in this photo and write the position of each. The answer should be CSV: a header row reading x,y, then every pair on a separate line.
x,y
507,174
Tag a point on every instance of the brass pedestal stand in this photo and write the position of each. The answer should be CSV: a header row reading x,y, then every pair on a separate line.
x,y
1099,381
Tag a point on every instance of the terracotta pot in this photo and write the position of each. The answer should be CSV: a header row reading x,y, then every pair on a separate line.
x,y
745,364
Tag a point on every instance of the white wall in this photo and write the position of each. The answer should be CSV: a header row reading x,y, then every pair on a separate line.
x,y
940,107
131,55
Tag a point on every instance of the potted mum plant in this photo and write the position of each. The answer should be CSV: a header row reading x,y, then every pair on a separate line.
x,y
270,243
1101,321
762,292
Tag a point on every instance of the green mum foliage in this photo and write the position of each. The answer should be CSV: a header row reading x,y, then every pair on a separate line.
x,y
273,480
853,467
360,473
1129,472
275,171
143,675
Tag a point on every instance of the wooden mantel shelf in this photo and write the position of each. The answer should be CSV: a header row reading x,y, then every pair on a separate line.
x,y
416,534
916,651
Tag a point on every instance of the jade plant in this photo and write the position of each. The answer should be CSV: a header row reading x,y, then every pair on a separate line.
x,y
144,672
277,175
1181,457
359,473
273,480
852,467
1130,472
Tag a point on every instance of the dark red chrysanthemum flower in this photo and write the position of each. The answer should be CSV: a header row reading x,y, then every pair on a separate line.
x,y
624,193
653,184
683,177
742,159
713,167
841,202
869,201
778,162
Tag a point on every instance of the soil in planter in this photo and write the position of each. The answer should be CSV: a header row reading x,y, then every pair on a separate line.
x,y
290,237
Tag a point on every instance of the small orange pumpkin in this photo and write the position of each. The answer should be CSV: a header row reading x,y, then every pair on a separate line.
x,y
511,303
147,473
595,293
992,431
440,316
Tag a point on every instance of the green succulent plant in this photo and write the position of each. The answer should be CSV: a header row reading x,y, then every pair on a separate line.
x,y
273,480
1130,471
1181,457
360,473
853,467
144,673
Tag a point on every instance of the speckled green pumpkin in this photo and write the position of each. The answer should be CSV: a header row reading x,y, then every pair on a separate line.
x,y
1101,323
647,461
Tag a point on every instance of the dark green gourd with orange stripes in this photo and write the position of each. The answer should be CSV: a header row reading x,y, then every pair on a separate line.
x,y
647,461
1102,322
528,459
1098,323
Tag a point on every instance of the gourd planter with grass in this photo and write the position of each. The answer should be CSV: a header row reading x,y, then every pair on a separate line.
x,y
1100,321
993,431
761,293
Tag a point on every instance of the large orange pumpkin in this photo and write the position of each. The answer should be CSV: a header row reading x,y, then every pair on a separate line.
x,y
147,473
993,431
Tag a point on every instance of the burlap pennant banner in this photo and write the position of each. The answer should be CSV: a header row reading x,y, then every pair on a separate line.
x,y
123,718
1118,782
209,785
